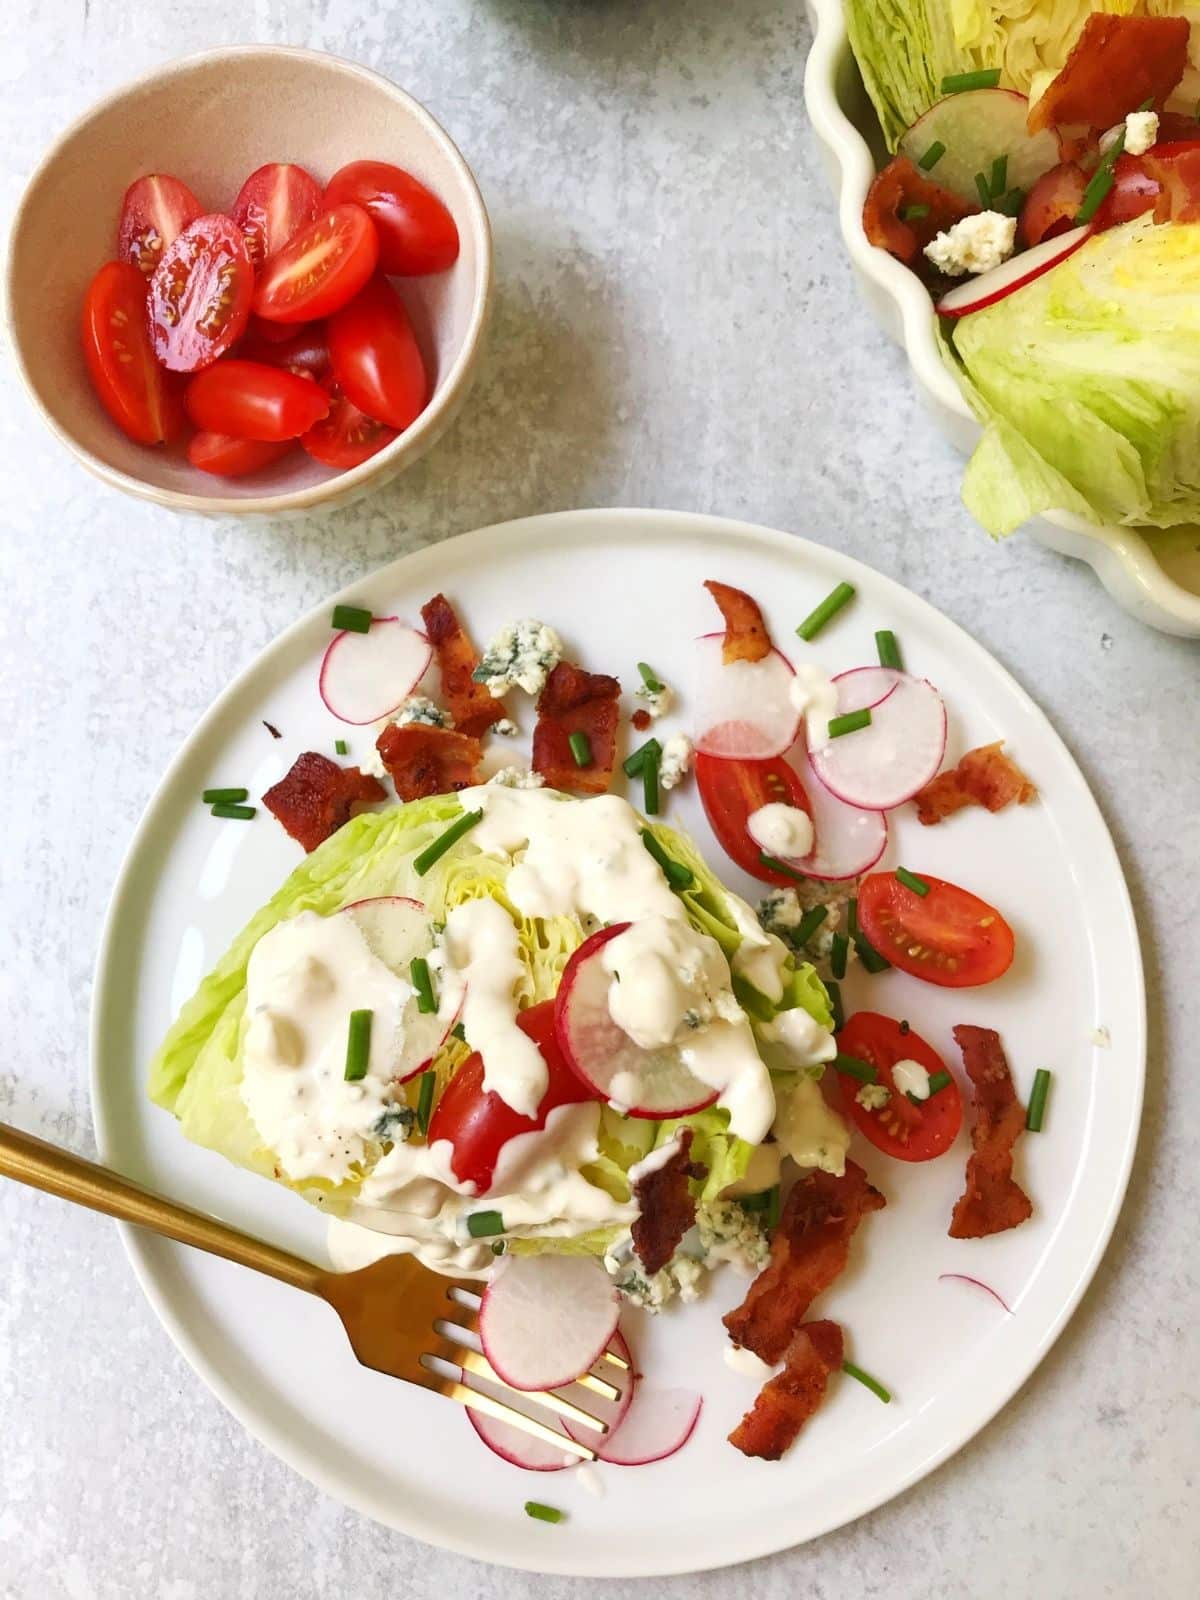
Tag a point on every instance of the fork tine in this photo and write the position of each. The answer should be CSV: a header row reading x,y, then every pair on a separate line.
x,y
472,1361
478,1401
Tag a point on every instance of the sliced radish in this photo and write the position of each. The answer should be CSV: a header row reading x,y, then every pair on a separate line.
x,y
516,1446
544,1320
976,128
365,676
658,1423
397,930
887,762
847,841
611,1412
643,1083
1012,274
744,707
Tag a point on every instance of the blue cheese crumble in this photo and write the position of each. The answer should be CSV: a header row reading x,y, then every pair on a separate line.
x,y
873,1096
517,778
976,244
521,656
506,728
656,702
675,762
724,1231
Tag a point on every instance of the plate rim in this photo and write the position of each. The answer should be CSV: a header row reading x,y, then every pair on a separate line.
x,y
139,1247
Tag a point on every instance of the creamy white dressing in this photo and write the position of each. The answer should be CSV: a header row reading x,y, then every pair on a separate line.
x,y
809,1130
668,981
762,957
910,1077
814,694
781,830
801,1040
654,1162
762,1172
746,1362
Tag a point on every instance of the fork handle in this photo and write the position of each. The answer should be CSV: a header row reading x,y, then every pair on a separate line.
x,y
59,1172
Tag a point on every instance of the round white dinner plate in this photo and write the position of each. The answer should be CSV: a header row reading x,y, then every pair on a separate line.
x,y
624,586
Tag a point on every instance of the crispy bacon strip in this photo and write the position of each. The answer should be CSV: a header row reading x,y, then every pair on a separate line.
x,y
787,1400
1176,170
316,797
575,701
422,761
810,1248
471,704
746,636
899,186
984,777
992,1201
666,1206
1116,64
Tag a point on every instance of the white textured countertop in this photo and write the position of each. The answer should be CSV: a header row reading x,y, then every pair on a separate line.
x,y
675,327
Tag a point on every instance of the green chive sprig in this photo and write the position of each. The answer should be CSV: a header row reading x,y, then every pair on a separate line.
x,y
1036,1113
998,182
650,766
838,955
834,990
485,1224
937,1082
541,1513
358,1045
239,813
677,875
867,1381
960,82
854,1068
869,956
932,156
418,970
340,747
224,797
636,759
581,749
914,213
351,619
425,1101
911,881
983,190
434,852
809,923
888,649
650,678
849,722
780,866
829,607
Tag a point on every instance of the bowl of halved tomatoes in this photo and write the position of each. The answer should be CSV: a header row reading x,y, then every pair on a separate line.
x,y
255,281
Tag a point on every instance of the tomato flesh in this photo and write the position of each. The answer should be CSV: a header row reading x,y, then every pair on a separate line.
x,y
129,383
320,268
273,204
909,1130
417,234
731,790
479,1124
304,349
375,356
949,936
346,437
227,457
253,401
155,211
200,295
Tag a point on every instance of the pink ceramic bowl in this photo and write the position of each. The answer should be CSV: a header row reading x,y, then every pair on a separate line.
x,y
211,120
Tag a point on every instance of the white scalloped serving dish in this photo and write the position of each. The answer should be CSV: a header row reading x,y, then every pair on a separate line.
x,y
1159,582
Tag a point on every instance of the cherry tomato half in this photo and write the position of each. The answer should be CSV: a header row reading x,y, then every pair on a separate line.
x,y
200,295
1134,191
227,457
417,234
347,436
910,1130
129,383
155,211
949,936
376,360
731,790
253,401
272,205
302,349
320,268
479,1124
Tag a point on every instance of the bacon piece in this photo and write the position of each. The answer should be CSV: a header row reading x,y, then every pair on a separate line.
x,y
787,1400
666,1206
471,704
810,1248
422,761
984,777
1116,65
898,186
1052,204
1176,170
575,701
641,719
746,636
992,1201
316,797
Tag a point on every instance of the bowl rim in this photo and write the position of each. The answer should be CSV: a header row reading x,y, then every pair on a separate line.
x,y
1125,547
440,411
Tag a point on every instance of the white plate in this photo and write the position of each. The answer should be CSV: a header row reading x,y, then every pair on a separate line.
x,y
1156,578
623,586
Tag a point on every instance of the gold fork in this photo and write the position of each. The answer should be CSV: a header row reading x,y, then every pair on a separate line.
x,y
393,1311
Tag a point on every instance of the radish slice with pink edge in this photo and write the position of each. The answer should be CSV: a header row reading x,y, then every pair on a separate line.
x,y
744,707
887,762
974,129
643,1083
657,1424
847,841
398,930
1013,274
365,676
518,1448
545,1320
611,1412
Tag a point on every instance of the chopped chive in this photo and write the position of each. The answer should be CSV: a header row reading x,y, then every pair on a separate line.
x,y
829,607
869,956
960,82
838,954
867,1381
650,782
834,990
809,923
932,156
425,1101
755,1202
983,190
633,763
340,747
888,649
774,1207
911,881
581,749
1037,1100
483,1224
852,916
854,1068
358,1045
241,813
223,797
1010,204
999,179
913,213
1094,195
418,969
434,852
534,1508
678,876
458,1032
938,1081
780,866
851,722
1147,103
650,678
351,619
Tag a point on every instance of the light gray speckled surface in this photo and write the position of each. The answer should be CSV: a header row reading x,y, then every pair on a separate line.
x,y
675,327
